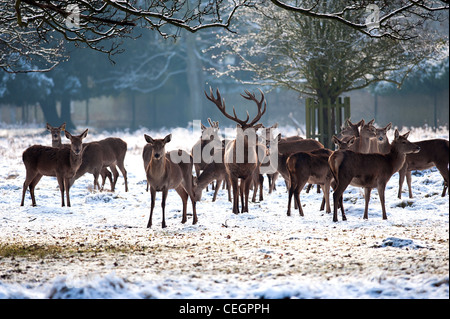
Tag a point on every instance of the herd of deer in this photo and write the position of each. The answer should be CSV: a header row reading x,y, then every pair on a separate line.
x,y
364,158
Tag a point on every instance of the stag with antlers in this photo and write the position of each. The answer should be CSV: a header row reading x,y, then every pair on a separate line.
x,y
241,155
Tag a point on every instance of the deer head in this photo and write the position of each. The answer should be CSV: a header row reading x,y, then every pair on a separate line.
x,y
76,142
159,146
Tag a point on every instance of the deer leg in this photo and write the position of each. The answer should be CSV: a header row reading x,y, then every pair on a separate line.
x,y
381,188
291,192
367,191
338,198
124,174
61,188
443,169
326,197
28,180
247,183
152,205
408,181
116,175
297,191
184,196
261,182
216,190
163,206
401,179
67,187
33,184
32,187
235,187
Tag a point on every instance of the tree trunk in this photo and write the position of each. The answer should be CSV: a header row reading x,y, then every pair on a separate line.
x,y
194,78
66,116
48,107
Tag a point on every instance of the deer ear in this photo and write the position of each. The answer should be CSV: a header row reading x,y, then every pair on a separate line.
x,y
275,125
148,139
84,134
203,127
335,140
371,122
396,134
388,127
68,135
168,138
63,127
406,134
48,127
351,141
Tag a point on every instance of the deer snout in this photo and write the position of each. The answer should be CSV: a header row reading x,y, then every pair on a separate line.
x,y
417,149
157,155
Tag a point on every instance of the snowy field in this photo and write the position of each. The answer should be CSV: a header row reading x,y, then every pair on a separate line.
x,y
100,247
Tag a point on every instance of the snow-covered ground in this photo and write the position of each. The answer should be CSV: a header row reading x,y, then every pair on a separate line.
x,y
100,247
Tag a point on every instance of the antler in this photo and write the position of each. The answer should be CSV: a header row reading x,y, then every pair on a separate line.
x,y
220,103
252,97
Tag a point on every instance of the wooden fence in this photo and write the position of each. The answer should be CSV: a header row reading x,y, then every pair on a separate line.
x,y
323,120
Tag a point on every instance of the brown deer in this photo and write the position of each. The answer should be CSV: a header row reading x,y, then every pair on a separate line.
x,y
56,134
212,171
434,152
309,167
368,171
164,174
114,150
287,147
382,141
51,161
241,155
90,162
364,142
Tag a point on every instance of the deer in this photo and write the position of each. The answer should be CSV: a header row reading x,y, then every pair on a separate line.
x,y
241,156
309,167
434,152
364,142
209,141
89,162
212,171
164,174
61,162
368,171
55,132
113,151
382,141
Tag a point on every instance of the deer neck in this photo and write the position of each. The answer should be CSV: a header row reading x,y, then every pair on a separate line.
x,y
157,166
397,159
75,160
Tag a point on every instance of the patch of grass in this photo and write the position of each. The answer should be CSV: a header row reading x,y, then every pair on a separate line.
x,y
40,251
33,250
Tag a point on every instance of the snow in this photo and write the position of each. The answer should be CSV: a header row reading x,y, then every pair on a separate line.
x,y
100,247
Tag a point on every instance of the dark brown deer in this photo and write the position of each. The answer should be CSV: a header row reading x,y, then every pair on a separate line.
x,y
364,142
114,150
51,161
163,174
56,134
309,167
287,147
434,152
368,171
241,155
